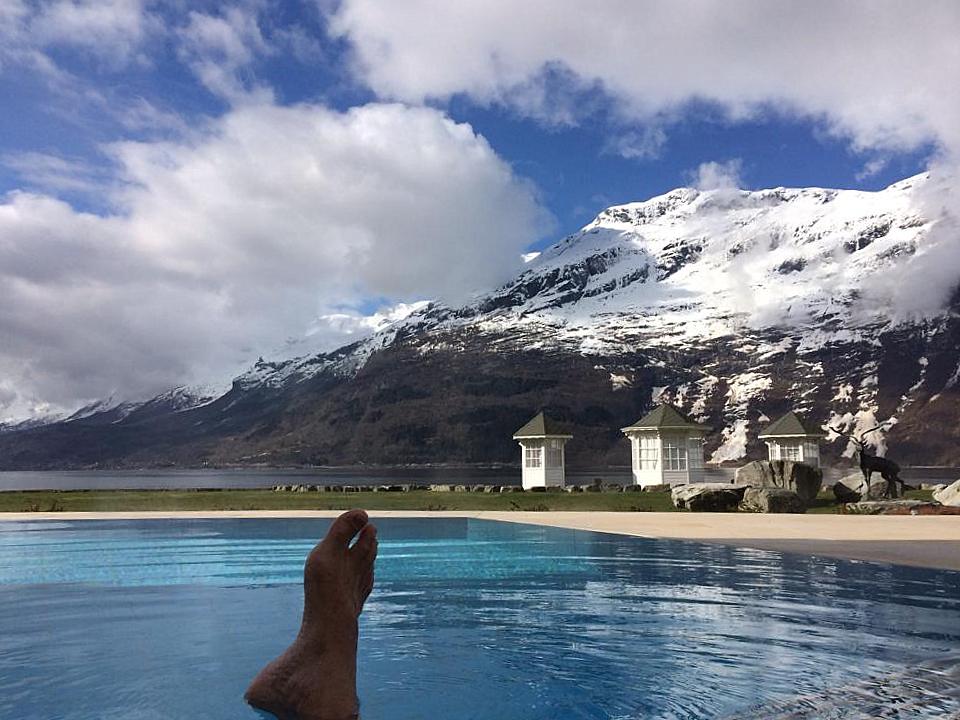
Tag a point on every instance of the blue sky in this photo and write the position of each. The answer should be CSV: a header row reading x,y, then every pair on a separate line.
x,y
186,185
574,165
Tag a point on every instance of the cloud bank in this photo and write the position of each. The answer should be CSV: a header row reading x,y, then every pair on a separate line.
x,y
880,72
244,234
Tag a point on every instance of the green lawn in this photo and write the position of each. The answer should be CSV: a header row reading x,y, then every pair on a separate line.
x,y
119,500
114,500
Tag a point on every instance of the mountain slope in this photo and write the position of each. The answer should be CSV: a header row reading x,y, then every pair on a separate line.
x,y
734,305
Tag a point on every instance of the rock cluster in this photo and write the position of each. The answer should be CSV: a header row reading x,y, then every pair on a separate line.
x,y
891,507
440,488
949,495
708,497
849,489
772,500
805,480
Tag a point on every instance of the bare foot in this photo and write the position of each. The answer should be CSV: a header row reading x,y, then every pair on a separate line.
x,y
316,677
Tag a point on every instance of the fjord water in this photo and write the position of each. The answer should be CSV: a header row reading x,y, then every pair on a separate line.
x,y
470,619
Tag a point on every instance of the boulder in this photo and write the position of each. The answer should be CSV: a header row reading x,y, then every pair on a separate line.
x,y
932,486
844,494
538,488
511,489
772,500
655,488
949,496
890,507
707,497
854,483
805,480
441,488
632,488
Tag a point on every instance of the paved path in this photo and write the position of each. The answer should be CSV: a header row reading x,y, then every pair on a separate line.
x,y
923,541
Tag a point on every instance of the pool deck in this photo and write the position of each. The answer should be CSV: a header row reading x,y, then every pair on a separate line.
x,y
920,541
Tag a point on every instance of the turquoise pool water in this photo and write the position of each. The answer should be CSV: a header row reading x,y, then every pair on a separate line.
x,y
470,619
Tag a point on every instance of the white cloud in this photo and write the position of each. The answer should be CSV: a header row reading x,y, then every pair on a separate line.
x,y
112,30
718,175
226,243
871,169
644,144
55,173
882,73
218,48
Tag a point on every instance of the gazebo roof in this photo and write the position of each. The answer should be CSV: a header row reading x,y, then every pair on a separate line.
x,y
665,417
542,426
790,425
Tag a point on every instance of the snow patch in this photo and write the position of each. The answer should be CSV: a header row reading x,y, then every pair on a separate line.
x,y
734,443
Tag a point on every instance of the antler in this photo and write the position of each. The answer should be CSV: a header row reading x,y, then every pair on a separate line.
x,y
857,441
867,432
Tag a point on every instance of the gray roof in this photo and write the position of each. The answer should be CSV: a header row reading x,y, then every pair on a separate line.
x,y
790,425
542,426
666,417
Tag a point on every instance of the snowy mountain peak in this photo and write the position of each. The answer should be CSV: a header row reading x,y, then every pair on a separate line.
x,y
784,256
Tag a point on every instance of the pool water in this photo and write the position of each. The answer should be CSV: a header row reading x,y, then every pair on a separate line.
x,y
469,619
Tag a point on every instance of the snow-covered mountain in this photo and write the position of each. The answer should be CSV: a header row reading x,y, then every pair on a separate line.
x,y
734,305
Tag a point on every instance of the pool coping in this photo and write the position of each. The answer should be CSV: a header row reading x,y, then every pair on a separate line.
x,y
918,541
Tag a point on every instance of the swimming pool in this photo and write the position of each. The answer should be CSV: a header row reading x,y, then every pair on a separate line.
x,y
470,619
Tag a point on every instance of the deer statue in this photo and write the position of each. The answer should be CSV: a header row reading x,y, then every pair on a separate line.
x,y
869,464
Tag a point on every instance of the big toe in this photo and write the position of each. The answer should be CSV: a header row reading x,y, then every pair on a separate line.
x,y
364,550
345,527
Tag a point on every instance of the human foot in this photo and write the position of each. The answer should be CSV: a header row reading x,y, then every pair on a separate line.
x,y
315,678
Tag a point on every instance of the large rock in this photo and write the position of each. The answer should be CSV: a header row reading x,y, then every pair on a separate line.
x,y
772,500
950,495
805,480
844,494
890,507
707,497
854,483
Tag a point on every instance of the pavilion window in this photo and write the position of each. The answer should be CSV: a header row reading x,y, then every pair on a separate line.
x,y
674,454
790,451
554,454
647,453
533,457
695,446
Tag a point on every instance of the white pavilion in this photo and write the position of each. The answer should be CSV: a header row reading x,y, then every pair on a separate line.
x,y
666,448
542,455
790,438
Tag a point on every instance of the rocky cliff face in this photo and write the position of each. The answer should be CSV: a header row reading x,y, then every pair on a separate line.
x,y
734,305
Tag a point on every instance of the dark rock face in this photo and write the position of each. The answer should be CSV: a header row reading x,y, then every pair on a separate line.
x,y
772,500
707,497
457,396
800,478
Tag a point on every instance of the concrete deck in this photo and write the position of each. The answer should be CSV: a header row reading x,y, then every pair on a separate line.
x,y
921,541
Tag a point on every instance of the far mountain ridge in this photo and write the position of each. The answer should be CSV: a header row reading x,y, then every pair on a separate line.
x,y
734,305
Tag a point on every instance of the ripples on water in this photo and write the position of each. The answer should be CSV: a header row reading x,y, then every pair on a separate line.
x,y
470,619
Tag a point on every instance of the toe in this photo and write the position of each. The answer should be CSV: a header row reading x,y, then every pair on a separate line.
x,y
345,527
365,549
366,586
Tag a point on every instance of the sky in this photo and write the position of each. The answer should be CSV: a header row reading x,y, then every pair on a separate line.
x,y
187,185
